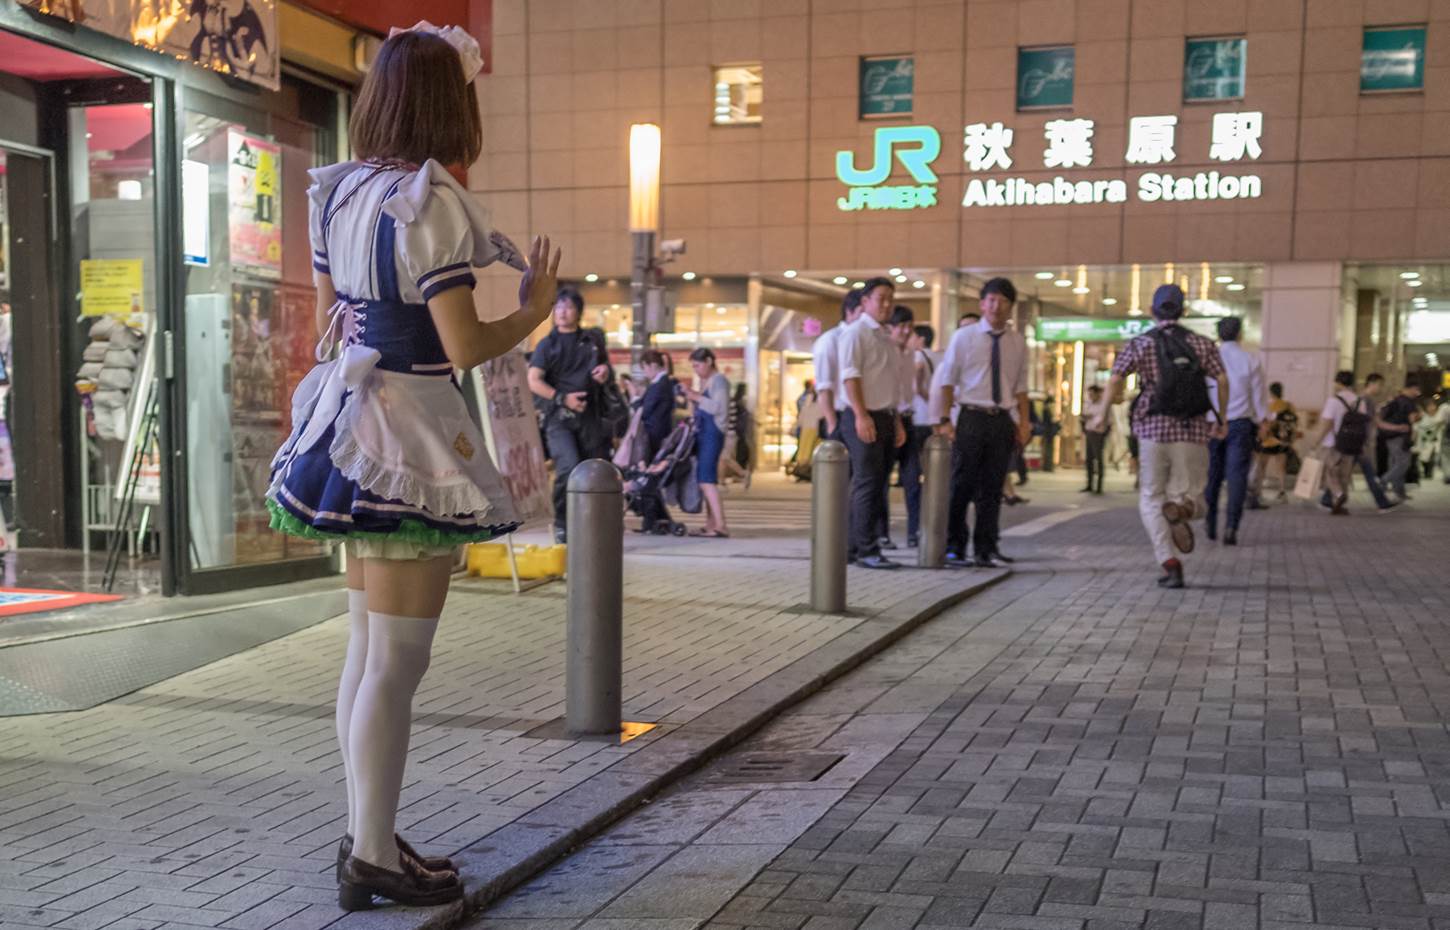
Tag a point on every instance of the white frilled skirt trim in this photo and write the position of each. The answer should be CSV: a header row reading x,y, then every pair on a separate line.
x,y
402,437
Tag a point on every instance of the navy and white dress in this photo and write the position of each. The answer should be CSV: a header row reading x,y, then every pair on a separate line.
x,y
383,452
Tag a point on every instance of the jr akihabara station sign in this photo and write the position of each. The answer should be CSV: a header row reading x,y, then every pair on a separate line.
x,y
1066,144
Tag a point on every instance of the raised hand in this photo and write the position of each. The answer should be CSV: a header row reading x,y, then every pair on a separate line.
x,y
541,280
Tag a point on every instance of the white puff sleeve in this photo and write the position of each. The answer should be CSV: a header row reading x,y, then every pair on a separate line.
x,y
436,245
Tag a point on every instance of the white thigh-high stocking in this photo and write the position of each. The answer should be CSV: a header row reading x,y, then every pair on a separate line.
x,y
382,715
352,675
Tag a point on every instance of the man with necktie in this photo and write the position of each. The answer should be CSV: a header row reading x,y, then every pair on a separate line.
x,y
985,371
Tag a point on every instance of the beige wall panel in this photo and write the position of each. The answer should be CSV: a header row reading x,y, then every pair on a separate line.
x,y
1151,238
638,12
990,24
639,46
1263,236
1099,20
600,209
1046,22
1322,234
986,243
831,247
783,203
1096,239
785,37
1220,17
1322,13
783,245
1390,135
1382,233
1275,15
932,244
783,160
684,163
1386,185
1325,185
1326,137
1159,18
1432,233
939,26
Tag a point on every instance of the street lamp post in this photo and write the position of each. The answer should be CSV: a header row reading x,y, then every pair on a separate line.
x,y
644,223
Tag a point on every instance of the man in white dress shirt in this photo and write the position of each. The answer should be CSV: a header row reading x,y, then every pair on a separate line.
x,y
870,425
825,355
924,365
1248,411
899,327
985,370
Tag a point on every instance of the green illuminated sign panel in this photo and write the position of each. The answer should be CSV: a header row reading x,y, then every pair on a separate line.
x,y
1097,329
1393,59
915,147
886,86
1044,77
1213,69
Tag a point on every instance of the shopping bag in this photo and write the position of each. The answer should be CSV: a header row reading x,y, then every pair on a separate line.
x,y
1311,477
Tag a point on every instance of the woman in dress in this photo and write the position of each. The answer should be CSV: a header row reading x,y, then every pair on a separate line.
x,y
712,412
384,455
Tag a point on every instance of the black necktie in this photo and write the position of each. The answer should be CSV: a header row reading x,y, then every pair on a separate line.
x,y
996,369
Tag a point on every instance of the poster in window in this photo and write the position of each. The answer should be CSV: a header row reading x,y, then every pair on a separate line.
x,y
886,86
254,190
1213,69
1044,77
256,422
1393,59
512,429
236,37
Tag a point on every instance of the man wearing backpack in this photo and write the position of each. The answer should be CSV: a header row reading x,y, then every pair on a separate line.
x,y
1171,424
1342,434
1369,393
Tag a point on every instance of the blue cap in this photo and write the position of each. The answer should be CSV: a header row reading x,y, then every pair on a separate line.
x,y
1168,301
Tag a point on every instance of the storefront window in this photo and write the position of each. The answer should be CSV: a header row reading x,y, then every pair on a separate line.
x,y
249,310
739,91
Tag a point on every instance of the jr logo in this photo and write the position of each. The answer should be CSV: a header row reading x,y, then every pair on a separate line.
x,y
916,147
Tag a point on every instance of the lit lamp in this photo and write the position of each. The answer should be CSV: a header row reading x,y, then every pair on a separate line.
x,y
644,223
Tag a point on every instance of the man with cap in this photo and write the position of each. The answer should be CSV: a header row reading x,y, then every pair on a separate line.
x,y
1172,426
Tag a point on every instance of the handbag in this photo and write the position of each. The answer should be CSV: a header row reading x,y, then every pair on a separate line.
x,y
1311,476
635,445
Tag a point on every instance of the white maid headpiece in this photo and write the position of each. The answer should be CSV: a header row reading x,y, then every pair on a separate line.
x,y
456,36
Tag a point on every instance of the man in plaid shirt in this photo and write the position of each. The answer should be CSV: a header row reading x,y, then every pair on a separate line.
x,y
1173,457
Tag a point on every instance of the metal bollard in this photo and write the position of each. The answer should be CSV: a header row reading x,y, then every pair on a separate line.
x,y
595,646
830,526
936,462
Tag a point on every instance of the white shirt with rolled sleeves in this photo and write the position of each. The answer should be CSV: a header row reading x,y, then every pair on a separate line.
x,y
867,352
826,358
967,367
1247,399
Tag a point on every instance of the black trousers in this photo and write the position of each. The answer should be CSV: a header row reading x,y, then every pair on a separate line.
x,y
1096,442
869,467
903,460
912,475
569,447
983,450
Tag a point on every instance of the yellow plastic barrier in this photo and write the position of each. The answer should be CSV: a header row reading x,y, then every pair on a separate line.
x,y
491,560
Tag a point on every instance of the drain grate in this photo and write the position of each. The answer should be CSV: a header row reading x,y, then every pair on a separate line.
x,y
776,766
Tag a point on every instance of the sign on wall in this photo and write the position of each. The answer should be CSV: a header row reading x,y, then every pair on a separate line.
x,y
915,147
1213,69
236,37
886,86
1044,77
1393,59
254,187
111,286
1098,329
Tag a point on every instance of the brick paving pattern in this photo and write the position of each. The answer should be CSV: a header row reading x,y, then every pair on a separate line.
x,y
215,799
1265,750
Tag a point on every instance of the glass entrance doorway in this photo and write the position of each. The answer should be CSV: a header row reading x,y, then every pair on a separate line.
x,y
77,317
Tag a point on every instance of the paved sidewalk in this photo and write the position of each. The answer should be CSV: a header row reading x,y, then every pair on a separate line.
x,y
1268,749
215,798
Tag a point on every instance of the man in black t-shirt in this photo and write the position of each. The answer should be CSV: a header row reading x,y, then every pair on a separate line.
x,y
567,372
1396,421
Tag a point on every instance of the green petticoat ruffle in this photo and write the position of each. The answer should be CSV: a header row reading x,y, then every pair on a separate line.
x,y
411,531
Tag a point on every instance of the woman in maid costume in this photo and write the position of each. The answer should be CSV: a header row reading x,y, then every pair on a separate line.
x,y
383,455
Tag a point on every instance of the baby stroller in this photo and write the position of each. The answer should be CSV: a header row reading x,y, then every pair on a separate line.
x,y
669,478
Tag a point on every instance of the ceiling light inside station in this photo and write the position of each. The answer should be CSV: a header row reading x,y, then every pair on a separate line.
x,y
591,277
858,284
1109,301
1043,276
1415,283
894,272
790,272
901,279
688,276
1081,290
1409,275
1223,278
918,284
1236,287
1063,282
839,279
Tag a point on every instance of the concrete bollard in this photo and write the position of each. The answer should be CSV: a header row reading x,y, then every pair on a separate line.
x,y
594,673
830,526
936,463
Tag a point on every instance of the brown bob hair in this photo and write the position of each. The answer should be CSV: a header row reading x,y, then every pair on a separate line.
x,y
414,105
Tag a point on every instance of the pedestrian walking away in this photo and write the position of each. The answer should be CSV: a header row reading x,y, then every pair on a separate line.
x,y
985,370
1341,437
568,372
924,364
712,413
1276,442
1397,421
1230,458
1169,417
383,455
1095,428
1374,384
870,426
